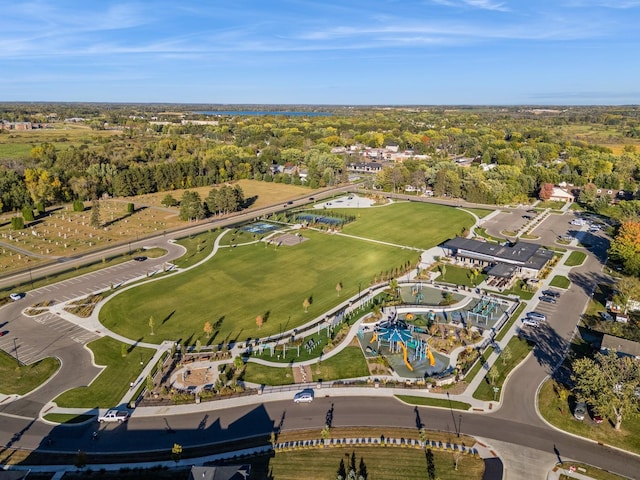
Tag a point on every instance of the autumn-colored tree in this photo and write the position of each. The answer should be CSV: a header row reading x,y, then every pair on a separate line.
x,y
339,288
208,329
152,324
259,321
625,247
306,304
546,190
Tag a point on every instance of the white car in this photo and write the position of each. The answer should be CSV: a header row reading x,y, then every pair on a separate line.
x,y
530,322
580,411
305,396
16,296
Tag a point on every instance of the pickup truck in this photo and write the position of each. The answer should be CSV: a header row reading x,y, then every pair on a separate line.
x,y
119,416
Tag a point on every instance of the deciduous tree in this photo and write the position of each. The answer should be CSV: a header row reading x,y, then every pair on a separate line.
x,y
609,383
625,247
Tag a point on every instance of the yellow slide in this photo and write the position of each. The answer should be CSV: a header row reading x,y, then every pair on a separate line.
x,y
406,360
432,360
374,338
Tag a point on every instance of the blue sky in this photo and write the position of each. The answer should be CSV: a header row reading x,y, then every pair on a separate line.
x,y
356,52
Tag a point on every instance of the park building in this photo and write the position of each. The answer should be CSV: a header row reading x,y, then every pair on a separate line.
x,y
502,263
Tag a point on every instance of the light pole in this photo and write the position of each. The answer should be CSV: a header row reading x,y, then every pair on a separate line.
x,y
141,362
31,278
459,424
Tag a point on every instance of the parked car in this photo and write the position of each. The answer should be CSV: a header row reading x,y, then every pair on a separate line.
x,y
550,293
597,419
580,411
140,258
16,296
546,299
530,322
305,396
606,316
114,415
537,316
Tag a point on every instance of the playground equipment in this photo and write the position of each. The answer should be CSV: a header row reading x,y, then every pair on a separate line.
x,y
483,310
399,337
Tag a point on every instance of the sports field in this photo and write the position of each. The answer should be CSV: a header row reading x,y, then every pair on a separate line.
x,y
240,283
420,225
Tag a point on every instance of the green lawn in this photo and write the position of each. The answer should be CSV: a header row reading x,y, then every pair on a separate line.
x,y
560,281
509,324
21,380
434,402
519,350
552,204
264,375
575,258
420,225
113,382
349,363
559,414
239,284
381,463
460,276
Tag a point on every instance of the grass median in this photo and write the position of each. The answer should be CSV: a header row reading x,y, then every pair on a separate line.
x,y
21,379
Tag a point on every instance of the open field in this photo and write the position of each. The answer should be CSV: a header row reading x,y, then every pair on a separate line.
x,y
239,284
18,144
264,193
418,225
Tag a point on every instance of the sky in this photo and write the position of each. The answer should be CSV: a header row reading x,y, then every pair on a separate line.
x,y
331,52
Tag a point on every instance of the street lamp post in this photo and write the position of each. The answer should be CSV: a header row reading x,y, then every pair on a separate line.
x,y
459,424
31,278
141,362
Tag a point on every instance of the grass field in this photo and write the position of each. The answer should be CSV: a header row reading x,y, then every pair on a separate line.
x,y
113,382
418,225
460,276
21,380
241,283
575,258
480,212
560,281
349,363
381,463
264,375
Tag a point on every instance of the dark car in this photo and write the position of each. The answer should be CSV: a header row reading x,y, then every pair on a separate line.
x,y
547,299
550,293
140,258
311,199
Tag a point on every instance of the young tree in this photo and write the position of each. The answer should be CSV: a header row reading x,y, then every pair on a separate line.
x,y
609,384
198,346
259,321
493,375
169,201
306,304
506,355
339,288
152,324
208,329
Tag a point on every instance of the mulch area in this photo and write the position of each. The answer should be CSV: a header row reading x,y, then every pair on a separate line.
x,y
288,239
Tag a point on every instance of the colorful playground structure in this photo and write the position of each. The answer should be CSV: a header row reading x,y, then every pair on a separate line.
x,y
396,335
